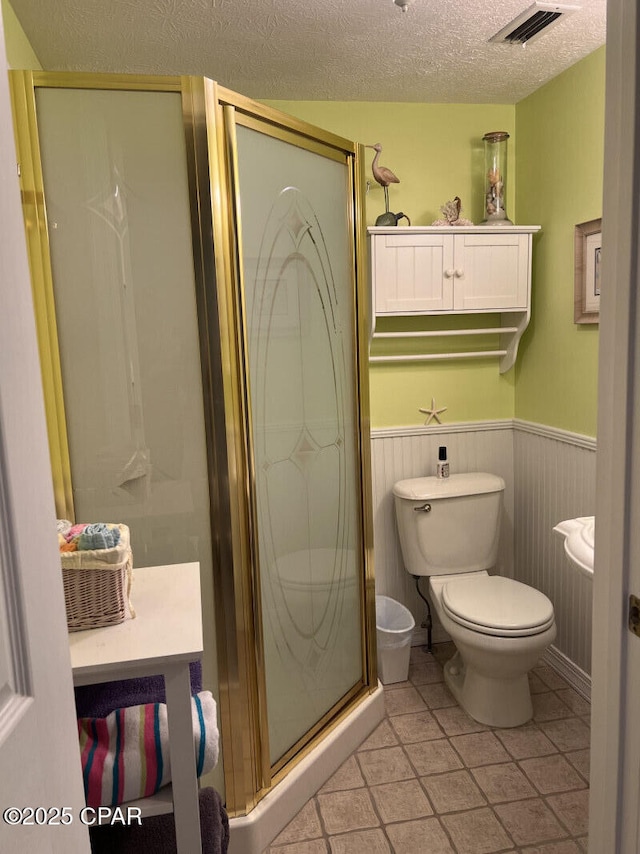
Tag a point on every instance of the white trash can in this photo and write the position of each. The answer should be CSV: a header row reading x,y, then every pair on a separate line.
x,y
394,626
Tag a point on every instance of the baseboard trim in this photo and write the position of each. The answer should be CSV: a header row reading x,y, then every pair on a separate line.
x,y
577,678
255,832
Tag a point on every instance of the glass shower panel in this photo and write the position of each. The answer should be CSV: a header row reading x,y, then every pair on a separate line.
x,y
298,283
116,186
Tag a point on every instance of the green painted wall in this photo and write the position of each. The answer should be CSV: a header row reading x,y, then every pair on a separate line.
x,y
560,132
555,181
436,151
20,54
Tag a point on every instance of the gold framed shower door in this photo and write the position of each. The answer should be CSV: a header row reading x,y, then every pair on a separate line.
x,y
211,114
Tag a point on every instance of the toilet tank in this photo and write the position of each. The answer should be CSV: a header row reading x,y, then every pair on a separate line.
x,y
449,525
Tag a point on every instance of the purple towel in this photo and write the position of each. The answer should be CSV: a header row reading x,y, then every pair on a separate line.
x,y
157,835
98,701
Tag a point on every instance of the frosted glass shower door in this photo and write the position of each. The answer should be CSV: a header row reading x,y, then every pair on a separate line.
x,y
115,173
298,295
119,222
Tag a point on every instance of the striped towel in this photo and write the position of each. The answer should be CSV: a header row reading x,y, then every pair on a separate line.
x,y
126,755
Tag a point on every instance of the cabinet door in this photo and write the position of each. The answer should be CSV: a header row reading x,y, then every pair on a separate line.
x,y
491,271
412,273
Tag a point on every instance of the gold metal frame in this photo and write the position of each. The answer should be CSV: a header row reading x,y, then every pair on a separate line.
x,y
210,115
239,110
37,237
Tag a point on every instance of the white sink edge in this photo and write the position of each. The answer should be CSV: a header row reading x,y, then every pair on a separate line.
x,y
578,539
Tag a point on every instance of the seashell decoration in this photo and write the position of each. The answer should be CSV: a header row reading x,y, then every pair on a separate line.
x,y
451,212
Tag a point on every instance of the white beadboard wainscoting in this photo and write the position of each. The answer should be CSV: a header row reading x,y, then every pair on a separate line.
x,y
549,476
555,479
401,453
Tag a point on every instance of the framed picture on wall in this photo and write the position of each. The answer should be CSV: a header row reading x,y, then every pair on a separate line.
x,y
588,252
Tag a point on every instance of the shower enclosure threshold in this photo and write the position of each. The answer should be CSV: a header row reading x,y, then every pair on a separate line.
x,y
252,833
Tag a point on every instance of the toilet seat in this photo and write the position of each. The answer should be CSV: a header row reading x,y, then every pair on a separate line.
x,y
494,605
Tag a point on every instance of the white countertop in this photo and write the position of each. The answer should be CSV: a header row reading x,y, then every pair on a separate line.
x,y
167,628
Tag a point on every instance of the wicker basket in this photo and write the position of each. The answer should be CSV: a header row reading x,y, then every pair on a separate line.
x,y
97,584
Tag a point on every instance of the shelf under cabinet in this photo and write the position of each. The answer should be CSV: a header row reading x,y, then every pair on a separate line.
x,y
434,272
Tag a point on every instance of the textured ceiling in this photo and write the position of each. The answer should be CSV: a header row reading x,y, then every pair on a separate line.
x,y
365,50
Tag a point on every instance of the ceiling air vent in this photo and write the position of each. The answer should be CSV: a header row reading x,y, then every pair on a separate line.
x,y
532,23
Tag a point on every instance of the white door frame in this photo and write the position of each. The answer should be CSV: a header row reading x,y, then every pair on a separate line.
x,y
39,750
615,746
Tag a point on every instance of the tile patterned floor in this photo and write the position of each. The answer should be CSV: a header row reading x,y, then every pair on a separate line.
x,y
430,780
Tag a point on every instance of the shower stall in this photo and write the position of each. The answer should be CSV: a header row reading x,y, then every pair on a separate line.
x,y
198,268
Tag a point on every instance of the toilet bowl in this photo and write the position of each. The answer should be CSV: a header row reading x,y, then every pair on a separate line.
x,y
500,628
449,532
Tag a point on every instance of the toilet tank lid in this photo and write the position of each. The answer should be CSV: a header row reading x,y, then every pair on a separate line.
x,y
425,488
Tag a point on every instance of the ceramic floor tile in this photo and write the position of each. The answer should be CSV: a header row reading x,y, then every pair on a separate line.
x,y
364,842
419,837
433,757
525,741
426,673
530,822
552,774
577,703
567,734
421,655
401,801
402,701
581,761
348,776
385,765
479,748
550,677
567,846
345,811
480,790
572,808
393,686
382,736
418,726
305,825
436,695
549,707
455,721
476,832
312,846
501,783
453,791
536,685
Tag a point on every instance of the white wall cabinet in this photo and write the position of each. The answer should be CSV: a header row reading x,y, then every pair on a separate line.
x,y
439,271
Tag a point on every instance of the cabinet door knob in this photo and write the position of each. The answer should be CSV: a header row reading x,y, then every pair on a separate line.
x,y
449,274
459,274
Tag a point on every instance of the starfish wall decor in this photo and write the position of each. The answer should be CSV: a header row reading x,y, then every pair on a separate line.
x,y
433,413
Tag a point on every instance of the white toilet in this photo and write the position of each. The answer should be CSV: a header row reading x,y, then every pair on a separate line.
x,y
448,531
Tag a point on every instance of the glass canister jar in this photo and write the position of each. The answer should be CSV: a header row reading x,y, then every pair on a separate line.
x,y
495,178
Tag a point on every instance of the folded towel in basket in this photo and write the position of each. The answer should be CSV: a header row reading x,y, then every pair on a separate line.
x,y
99,536
126,755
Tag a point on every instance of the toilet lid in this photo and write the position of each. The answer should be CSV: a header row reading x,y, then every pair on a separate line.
x,y
494,605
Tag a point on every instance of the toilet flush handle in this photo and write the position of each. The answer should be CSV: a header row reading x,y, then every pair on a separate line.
x,y
426,508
